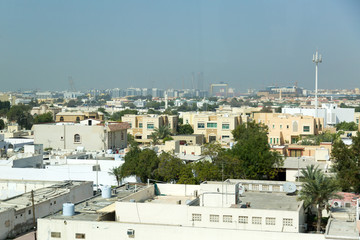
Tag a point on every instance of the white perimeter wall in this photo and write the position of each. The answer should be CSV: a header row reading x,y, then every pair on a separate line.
x,y
114,230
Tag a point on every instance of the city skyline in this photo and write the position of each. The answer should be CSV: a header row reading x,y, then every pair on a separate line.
x,y
120,44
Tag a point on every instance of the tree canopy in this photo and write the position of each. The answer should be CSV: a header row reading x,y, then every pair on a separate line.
x,y
346,126
185,129
317,190
21,115
347,164
43,118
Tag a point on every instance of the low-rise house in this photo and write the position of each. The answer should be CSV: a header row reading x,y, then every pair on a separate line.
x,y
87,135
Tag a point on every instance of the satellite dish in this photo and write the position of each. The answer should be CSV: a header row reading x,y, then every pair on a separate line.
x,y
289,187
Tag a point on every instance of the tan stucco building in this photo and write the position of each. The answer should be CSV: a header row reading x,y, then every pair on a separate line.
x,y
78,116
214,126
287,128
45,109
142,126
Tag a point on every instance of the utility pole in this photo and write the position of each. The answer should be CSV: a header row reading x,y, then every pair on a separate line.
x,y
33,210
316,59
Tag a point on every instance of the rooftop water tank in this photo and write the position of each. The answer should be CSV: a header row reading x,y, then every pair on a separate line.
x,y
106,192
68,209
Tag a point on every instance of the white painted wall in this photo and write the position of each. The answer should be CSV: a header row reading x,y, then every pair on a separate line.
x,y
114,230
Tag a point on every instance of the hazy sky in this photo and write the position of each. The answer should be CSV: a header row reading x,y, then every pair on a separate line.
x,y
153,43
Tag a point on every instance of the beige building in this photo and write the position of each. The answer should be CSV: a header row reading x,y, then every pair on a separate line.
x,y
214,127
45,109
142,126
78,116
287,128
82,135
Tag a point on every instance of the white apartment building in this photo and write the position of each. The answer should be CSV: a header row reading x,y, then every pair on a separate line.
x,y
212,210
16,213
331,113
142,126
87,135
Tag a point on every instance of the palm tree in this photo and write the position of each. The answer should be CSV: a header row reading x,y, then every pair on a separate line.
x,y
317,190
162,132
116,171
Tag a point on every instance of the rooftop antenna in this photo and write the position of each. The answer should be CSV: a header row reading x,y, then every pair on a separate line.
x,y
316,59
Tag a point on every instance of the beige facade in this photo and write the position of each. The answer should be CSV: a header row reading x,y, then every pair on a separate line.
x,y
73,136
193,139
287,128
45,109
78,116
142,126
214,127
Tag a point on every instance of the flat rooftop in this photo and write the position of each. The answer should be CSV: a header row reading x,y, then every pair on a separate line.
x,y
269,201
40,195
97,207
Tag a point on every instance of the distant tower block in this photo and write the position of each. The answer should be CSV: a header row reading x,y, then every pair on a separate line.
x,y
225,85
316,59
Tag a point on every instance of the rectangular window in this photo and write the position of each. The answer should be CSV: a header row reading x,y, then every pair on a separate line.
x,y
270,221
214,218
140,125
227,218
80,235
243,219
130,125
306,129
287,222
256,220
55,234
225,136
273,126
196,217
211,125
280,126
150,126
225,126
201,125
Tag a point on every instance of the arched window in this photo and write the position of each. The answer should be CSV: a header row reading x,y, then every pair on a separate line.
x,y
295,126
77,138
61,119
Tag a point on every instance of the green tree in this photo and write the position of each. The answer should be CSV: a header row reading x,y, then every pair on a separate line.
x,y
72,103
207,171
2,124
43,118
187,175
21,114
118,115
211,150
103,110
116,172
131,141
252,154
347,164
346,126
162,132
185,129
4,108
317,189
140,163
170,167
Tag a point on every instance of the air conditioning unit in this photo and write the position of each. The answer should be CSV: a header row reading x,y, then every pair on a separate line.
x,y
336,204
130,232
